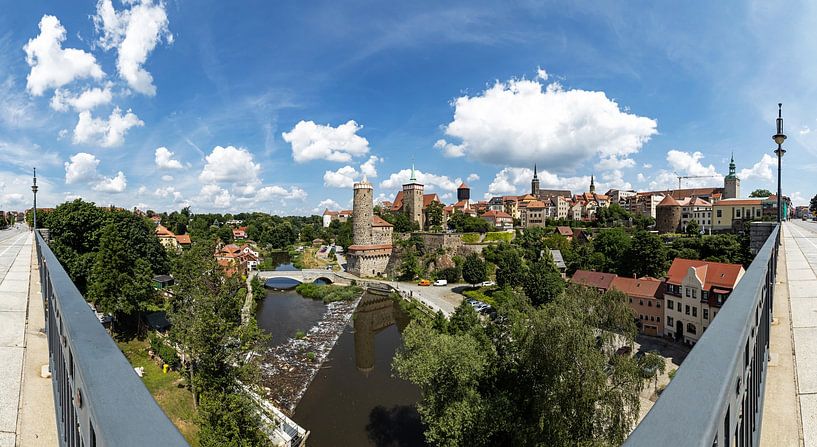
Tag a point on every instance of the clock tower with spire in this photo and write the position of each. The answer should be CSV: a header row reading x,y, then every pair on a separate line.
x,y
731,183
534,184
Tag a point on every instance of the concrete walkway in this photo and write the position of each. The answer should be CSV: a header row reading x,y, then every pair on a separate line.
x,y
22,390
790,408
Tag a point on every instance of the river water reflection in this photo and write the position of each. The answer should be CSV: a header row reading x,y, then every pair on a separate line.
x,y
354,400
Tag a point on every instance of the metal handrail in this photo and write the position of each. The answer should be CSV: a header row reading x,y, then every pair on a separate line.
x,y
716,397
99,399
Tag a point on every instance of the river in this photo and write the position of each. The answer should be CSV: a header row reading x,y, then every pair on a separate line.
x,y
353,399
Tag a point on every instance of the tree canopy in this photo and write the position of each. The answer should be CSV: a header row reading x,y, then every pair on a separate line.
x,y
760,193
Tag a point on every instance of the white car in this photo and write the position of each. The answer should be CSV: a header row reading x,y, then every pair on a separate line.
x,y
440,283
487,284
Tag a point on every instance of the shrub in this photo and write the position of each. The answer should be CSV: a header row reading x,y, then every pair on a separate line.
x,y
164,352
470,238
311,356
299,334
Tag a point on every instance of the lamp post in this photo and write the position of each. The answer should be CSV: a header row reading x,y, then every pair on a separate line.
x,y
779,138
34,189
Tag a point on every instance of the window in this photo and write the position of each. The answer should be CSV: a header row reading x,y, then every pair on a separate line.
x,y
714,312
686,309
658,304
669,322
757,212
640,302
704,295
706,314
649,303
670,304
694,293
687,289
737,212
720,213
694,311
690,328
631,300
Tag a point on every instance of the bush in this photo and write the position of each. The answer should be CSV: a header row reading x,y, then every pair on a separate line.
x,y
164,352
450,274
481,294
329,293
299,334
311,356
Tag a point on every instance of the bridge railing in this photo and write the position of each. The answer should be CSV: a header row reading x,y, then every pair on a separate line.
x,y
99,399
716,396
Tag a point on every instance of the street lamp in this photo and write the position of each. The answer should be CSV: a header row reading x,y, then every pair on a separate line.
x,y
779,138
34,189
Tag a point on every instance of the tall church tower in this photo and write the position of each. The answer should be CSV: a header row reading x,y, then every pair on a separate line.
x,y
413,199
592,185
362,211
731,183
534,184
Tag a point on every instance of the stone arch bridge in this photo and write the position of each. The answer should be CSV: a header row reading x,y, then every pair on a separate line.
x,y
307,276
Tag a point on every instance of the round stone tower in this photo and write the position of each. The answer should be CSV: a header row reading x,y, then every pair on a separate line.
x,y
413,199
463,192
668,215
362,210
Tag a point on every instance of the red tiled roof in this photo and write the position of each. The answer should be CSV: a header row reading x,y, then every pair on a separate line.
x,y
183,238
536,204
326,212
565,231
370,247
462,186
496,214
162,231
598,280
710,273
638,287
427,199
378,221
669,201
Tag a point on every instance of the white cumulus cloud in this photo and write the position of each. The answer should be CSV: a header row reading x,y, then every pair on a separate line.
x,y
450,149
105,133
215,195
326,203
312,141
134,33
163,158
431,181
81,168
521,121
761,170
167,178
280,192
369,167
342,178
473,177
53,66
230,164
115,184
86,100
510,181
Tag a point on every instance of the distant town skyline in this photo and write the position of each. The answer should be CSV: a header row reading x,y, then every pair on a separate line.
x,y
281,108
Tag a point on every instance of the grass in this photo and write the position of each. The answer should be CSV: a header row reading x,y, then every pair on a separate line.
x,y
484,294
329,293
498,236
470,238
168,389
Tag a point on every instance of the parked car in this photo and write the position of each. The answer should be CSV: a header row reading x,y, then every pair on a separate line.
x,y
487,284
441,282
424,282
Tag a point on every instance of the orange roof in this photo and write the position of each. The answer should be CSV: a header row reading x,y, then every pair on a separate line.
x,y
638,287
183,238
598,280
370,247
462,186
162,231
496,214
669,201
565,231
710,273
326,212
378,221
536,204
428,198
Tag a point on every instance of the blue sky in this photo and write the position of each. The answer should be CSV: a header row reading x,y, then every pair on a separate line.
x,y
280,106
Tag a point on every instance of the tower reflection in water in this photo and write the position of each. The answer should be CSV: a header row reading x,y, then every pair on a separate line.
x,y
375,312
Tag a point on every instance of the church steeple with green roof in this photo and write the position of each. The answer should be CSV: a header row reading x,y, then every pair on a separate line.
x,y
732,167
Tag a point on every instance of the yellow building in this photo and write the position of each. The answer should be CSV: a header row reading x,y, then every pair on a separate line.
x,y
730,214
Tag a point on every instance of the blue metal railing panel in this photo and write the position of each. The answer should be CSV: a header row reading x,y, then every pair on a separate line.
x,y
100,401
716,397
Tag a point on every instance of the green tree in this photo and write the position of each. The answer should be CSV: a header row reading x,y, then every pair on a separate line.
x,y
652,366
409,266
434,214
545,376
121,281
510,267
229,420
693,228
543,283
646,256
613,244
760,193
813,205
474,269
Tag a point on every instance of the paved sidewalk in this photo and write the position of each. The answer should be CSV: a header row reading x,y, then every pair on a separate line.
x,y
800,250
22,351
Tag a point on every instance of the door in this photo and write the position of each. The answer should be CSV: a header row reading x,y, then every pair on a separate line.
x,y
679,331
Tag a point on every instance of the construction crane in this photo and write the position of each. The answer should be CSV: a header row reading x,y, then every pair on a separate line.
x,y
681,177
